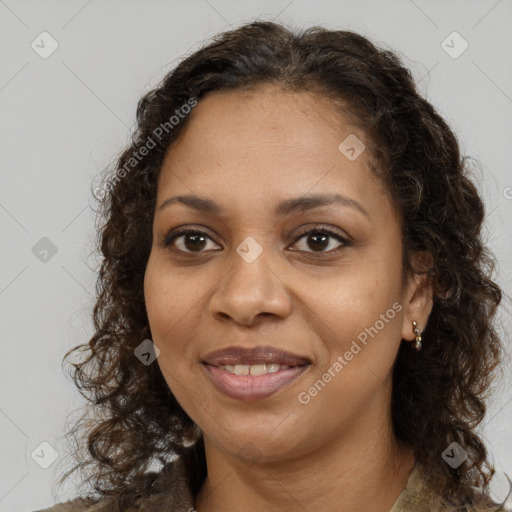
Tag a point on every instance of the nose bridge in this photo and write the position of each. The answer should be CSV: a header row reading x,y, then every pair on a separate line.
x,y
251,286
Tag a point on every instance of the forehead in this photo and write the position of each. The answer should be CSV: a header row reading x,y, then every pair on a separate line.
x,y
267,142
269,115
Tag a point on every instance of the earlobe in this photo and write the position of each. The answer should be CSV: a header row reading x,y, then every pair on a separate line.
x,y
418,303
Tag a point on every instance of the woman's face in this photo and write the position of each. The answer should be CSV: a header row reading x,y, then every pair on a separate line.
x,y
254,278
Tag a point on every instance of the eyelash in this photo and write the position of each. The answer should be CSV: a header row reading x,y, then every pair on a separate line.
x,y
188,231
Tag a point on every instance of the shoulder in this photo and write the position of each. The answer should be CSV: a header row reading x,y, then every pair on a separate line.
x,y
81,505
490,506
420,495
168,491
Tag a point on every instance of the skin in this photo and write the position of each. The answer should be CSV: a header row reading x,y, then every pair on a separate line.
x,y
248,152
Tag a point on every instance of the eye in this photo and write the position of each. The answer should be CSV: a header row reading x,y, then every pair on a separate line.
x,y
193,240
319,238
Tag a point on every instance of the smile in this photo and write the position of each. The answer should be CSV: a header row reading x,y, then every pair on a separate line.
x,y
252,382
254,369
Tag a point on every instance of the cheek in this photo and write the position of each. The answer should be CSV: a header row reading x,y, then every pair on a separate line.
x,y
358,312
168,296
361,344
354,297
174,307
165,305
172,324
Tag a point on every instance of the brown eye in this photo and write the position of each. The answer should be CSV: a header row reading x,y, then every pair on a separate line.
x,y
319,239
188,241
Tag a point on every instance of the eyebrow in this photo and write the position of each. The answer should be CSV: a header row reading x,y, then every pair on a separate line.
x,y
286,207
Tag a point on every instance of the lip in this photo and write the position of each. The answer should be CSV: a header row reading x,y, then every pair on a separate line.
x,y
253,387
255,355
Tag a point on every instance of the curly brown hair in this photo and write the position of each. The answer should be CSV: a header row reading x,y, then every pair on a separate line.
x,y
438,394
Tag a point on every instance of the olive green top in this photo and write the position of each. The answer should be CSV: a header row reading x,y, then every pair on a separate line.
x,y
417,496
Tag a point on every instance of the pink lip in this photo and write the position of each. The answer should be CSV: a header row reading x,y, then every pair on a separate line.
x,y
252,387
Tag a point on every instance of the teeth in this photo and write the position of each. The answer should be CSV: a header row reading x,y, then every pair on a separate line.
x,y
258,369
254,369
242,369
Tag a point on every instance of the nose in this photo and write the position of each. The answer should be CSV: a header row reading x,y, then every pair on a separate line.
x,y
250,291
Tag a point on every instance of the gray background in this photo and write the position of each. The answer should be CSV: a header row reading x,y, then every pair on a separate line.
x,y
64,118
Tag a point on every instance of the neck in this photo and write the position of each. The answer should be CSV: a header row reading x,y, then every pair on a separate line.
x,y
342,475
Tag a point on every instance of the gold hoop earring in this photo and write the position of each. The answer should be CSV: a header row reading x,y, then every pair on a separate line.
x,y
418,332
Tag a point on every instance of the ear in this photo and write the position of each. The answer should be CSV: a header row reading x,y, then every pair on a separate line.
x,y
417,299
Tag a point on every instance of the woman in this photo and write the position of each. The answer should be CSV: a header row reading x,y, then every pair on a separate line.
x,y
295,307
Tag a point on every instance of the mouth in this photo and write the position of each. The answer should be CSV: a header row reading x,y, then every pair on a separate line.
x,y
253,374
254,369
